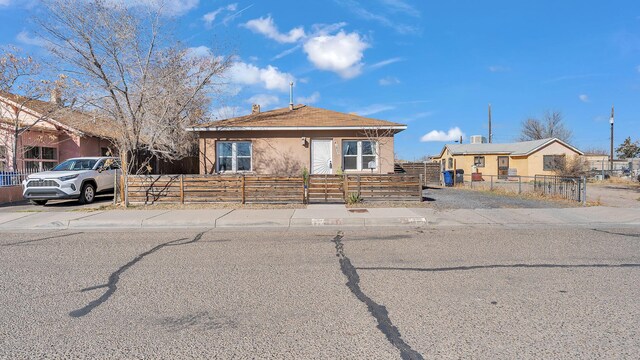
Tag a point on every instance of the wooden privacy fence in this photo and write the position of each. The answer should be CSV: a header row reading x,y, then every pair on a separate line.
x,y
150,189
430,171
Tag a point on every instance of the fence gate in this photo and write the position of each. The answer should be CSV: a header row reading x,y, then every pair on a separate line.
x,y
325,189
570,188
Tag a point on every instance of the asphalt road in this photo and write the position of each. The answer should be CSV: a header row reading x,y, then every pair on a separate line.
x,y
412,293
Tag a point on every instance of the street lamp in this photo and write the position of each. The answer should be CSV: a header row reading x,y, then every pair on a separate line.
x,y
611,159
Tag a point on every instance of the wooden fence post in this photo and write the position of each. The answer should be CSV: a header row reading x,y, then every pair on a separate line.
x,y
326,189
519,185
182,189
345,186
420,186
242,185
122,188
304,190
359,193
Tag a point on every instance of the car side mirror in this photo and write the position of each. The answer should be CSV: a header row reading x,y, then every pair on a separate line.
x,y
101,169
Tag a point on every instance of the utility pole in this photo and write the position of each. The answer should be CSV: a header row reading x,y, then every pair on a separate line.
x,y
490,135
611,158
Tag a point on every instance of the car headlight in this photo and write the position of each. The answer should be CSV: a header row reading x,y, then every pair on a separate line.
x,y
68,177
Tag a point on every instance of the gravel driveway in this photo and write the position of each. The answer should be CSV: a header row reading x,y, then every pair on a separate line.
x,y
449,198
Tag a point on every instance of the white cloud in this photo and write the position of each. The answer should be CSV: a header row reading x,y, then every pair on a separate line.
x,y
584,98
389,80
499,68
401,6
386,62
199,51
5,2
286,52
25,38
374,109
356,8
435,135
270,77
267,27
313,98
264,100
210,17
226,112
341,53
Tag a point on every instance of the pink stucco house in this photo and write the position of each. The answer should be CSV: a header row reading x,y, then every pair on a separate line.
x,y
52,134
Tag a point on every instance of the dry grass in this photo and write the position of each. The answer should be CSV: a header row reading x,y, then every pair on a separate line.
x,y
388,204
617,181
527,195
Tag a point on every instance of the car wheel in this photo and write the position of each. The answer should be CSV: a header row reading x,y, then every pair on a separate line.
x,y
38,202
87,194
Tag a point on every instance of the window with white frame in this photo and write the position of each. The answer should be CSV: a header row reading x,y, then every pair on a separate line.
x,y
358,154
233,156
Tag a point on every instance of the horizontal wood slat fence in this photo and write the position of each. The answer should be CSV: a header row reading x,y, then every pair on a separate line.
x,y
430,171
151,189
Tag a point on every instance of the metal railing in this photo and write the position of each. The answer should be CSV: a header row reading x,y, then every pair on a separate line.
x,y
569,188
12,178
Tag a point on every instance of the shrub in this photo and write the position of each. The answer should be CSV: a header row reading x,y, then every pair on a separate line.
x,y
353,198
575,166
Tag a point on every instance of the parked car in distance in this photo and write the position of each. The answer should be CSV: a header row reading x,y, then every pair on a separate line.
x,y
77,178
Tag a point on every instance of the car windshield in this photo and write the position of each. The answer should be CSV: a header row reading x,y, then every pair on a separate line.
x,y
76,164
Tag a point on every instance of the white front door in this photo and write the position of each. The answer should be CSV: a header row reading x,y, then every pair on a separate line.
x,y
321,161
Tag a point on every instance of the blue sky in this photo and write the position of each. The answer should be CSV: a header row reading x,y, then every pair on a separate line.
x,y
433,65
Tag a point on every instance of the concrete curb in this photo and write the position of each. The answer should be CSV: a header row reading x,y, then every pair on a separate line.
x,y
318,218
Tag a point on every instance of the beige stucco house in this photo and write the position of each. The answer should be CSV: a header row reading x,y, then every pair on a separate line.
x,y
527,158
47,134
286,141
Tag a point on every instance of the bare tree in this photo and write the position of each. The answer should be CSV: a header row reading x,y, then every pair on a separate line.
x,y
134,74
595,151
551,126
21,86
379,136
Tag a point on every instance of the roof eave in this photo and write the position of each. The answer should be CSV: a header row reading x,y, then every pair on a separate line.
x,y
292,128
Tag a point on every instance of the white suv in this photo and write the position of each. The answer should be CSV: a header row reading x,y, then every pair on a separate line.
x,y
78,178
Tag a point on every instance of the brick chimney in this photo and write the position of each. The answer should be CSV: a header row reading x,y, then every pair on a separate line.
x,y
56,96
255,109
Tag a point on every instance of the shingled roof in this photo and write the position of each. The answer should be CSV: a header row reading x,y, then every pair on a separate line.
x,y
302,117
522,148
82,122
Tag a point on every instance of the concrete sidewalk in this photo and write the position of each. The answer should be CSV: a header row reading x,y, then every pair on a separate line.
x,y
318,216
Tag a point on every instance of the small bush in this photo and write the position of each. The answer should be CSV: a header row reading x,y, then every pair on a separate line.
x,y
575,166
353,198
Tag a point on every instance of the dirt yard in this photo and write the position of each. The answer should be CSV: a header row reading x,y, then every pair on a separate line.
x,y
614,194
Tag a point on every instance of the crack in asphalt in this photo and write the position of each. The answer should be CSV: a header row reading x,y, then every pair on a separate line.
x,y
42,239
379,312
112,284
476,267
616,233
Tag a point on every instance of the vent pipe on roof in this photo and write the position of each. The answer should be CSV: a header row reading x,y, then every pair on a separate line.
x,y
291,95
490,133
